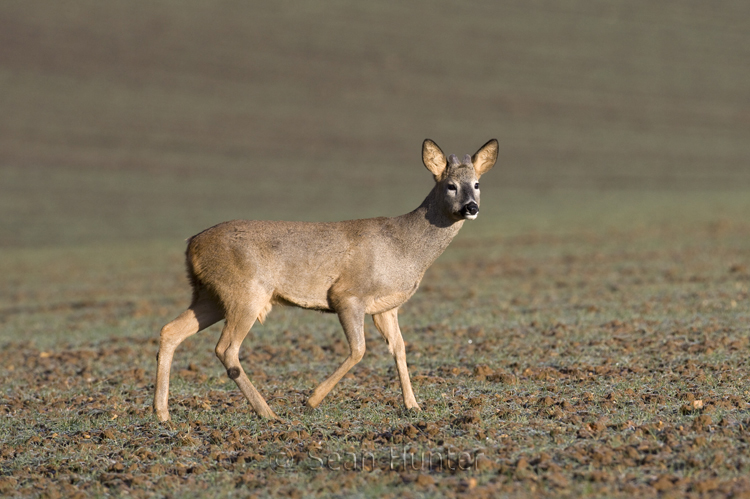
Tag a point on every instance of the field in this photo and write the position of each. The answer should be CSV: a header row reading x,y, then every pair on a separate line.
x,y
586,336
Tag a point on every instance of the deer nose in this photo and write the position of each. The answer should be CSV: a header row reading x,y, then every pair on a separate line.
x,y
470,209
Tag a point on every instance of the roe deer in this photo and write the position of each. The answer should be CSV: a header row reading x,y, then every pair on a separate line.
x,y
240,269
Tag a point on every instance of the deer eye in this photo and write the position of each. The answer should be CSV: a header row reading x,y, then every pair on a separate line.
x,y
452,187
476,186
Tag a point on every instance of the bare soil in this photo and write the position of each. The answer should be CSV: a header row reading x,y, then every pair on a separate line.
x,y
573,365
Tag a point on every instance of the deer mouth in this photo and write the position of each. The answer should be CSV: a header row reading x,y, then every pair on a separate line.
x,y
470,211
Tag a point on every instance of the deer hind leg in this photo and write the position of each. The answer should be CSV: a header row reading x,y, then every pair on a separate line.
x,y
387,324
352,316
239,321
202,313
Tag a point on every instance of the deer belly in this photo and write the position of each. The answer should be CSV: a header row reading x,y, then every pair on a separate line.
x,y
305,291
382,302
302,302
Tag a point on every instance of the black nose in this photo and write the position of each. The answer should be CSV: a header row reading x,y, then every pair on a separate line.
x,y
470,209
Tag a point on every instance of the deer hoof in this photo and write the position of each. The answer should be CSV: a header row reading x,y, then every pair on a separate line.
x,y
269,414
310,406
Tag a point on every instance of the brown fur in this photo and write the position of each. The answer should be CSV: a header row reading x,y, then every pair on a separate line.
x,y
240,269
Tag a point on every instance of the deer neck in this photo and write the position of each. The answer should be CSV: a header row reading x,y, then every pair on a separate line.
x,y
427,231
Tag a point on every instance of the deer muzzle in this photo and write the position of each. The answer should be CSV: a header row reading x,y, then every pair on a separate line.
x,y
470,211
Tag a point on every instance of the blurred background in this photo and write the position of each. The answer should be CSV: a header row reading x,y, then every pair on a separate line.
x,y
133,120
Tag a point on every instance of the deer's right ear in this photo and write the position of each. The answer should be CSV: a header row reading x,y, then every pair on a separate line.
x,y
433,158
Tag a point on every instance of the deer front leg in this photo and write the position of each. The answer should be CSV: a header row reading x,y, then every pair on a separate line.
x,y
387,324
352,318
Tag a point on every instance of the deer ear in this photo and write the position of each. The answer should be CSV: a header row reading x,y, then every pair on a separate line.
x,y
484,159
433,158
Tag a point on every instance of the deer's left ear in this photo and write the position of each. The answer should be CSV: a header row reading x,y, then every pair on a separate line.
x,y
484,159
